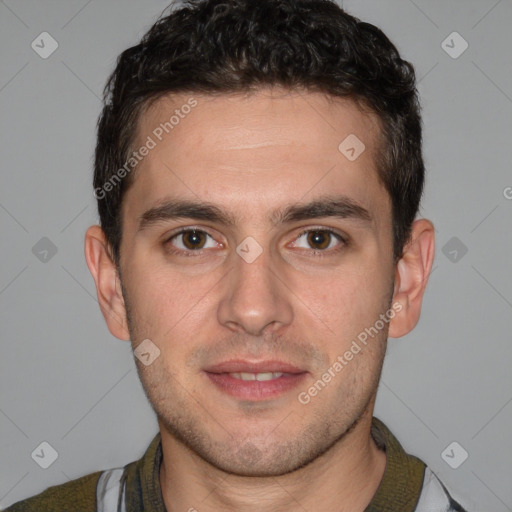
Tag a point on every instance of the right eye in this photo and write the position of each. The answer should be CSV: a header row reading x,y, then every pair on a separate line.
x,y
190,241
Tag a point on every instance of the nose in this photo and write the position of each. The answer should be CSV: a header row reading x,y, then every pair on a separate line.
x,y
255,297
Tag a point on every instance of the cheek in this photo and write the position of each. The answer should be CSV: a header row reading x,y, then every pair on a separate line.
x,y
152,301
351,299
165,304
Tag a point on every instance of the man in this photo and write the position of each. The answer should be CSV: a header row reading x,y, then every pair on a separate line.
x,y
258,174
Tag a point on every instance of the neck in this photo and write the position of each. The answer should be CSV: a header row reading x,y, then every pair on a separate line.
x,y
345,478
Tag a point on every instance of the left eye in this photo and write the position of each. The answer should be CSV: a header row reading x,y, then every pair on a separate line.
x,y
322,238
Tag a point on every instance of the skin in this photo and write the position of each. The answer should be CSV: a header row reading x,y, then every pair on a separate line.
x,y
250,155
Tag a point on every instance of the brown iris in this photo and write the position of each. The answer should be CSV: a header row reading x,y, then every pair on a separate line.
x,y
192,239
319,238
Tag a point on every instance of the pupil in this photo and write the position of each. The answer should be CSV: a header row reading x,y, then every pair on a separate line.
x,y
193,238
318,238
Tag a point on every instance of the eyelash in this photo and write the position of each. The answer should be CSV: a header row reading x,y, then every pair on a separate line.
x,y
319,253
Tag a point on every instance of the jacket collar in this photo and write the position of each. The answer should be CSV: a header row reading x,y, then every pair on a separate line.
x,y
399,489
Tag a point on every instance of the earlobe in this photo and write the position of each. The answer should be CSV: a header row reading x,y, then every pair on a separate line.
x,y
106,278
411,277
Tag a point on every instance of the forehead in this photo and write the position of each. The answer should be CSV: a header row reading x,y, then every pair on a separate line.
x,y
272,146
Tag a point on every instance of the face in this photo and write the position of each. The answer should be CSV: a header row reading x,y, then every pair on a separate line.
x,y
249,282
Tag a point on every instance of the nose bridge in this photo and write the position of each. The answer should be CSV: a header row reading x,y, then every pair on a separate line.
x,y
254,296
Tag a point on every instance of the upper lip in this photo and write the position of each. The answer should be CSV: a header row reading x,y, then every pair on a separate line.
x,y
244,366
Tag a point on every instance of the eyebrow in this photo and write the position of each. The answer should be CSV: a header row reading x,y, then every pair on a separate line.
x,y
341,207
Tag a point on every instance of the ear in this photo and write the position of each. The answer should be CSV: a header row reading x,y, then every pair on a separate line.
x,y
411,277
108,286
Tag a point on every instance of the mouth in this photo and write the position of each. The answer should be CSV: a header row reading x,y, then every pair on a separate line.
x,y
255,381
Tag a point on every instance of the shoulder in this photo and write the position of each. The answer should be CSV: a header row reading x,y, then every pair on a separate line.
x,y
76,495
435,496
407,480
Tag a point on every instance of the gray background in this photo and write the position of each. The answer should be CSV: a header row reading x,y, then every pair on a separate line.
x,y
65,380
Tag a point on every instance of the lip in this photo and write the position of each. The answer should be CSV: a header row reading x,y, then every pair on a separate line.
x,y
254,390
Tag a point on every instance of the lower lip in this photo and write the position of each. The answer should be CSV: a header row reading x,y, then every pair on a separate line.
x,y
253,389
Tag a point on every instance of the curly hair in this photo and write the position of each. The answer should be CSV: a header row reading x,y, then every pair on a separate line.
x,y
235,46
